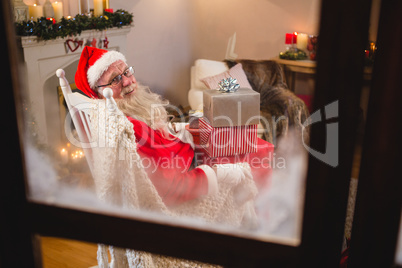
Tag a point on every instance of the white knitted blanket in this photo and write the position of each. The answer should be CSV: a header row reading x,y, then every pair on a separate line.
x,y
121,180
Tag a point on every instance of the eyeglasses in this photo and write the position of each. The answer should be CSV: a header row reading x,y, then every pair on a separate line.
x,y
127,73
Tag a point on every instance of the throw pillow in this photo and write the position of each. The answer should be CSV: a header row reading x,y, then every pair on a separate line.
x,y
204,68
236,72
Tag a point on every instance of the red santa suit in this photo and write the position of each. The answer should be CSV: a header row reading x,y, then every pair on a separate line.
x,y
168,164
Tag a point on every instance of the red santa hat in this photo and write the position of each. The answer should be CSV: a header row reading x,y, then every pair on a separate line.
x,y
93,63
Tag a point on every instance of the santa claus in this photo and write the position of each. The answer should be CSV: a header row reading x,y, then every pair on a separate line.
x,y
169,157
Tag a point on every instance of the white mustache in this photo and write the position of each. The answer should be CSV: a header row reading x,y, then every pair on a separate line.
x,y
128,89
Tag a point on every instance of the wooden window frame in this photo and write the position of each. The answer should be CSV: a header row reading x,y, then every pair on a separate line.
x,y
379,194
343,36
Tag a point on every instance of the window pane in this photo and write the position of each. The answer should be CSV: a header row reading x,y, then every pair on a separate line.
x,y
135,166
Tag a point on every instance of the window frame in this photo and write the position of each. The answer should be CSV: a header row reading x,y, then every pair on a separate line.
x,y
343,35
379,198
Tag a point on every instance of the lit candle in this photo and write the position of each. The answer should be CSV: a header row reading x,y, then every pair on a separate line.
x,y
302,41
105,4
58,10
48,9
98,8
288,41
79,7
64,156
35,12
83,7
294,37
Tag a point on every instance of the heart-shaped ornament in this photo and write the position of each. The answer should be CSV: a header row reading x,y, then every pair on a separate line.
x,y
75,43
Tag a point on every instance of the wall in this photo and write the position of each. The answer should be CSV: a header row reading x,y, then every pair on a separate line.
x,y
169,35
159,45
260,25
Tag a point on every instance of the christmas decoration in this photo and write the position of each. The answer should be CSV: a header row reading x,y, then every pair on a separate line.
x,y
48,9
228,85
312,46
77,43
52,20
20,10
47,29
293,55
105,43
88,42
93,43
100,43
370,52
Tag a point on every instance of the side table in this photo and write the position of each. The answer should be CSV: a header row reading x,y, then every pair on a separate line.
x,y
291,67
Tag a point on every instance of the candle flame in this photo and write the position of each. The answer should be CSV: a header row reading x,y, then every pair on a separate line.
x,y
78,154
63,150
34,5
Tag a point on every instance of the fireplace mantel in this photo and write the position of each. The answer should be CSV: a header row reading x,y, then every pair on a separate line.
x,y
33,41
42,59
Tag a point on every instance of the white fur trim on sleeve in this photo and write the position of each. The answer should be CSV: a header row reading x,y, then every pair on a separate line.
x,y
101,65
185,136
212,179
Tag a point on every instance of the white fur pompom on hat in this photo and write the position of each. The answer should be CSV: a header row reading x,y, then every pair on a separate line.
x,y
92,64
101,65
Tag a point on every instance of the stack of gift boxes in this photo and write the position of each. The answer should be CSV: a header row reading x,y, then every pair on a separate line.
x,y
229,123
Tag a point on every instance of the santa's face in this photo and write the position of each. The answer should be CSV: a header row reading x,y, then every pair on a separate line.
x,y
122,89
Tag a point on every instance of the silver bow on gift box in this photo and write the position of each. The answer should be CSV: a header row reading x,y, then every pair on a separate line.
x,y
228,85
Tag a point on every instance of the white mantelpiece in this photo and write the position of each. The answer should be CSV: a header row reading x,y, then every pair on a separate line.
x,y
42,59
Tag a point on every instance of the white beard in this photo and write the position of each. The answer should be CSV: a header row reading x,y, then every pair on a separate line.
x,y
145,106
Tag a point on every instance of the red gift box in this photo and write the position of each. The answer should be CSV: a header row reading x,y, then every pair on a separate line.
x,y
195,132
226,141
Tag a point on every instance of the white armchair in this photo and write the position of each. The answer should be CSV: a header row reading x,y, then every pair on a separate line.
x,y
202,68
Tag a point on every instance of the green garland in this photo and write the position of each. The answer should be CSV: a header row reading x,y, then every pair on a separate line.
x,y
293,55
47,29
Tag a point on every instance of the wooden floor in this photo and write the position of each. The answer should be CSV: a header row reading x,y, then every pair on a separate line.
x,y
63,253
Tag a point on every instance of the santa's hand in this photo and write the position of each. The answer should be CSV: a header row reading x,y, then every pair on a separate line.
x,y
237,176
232,173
